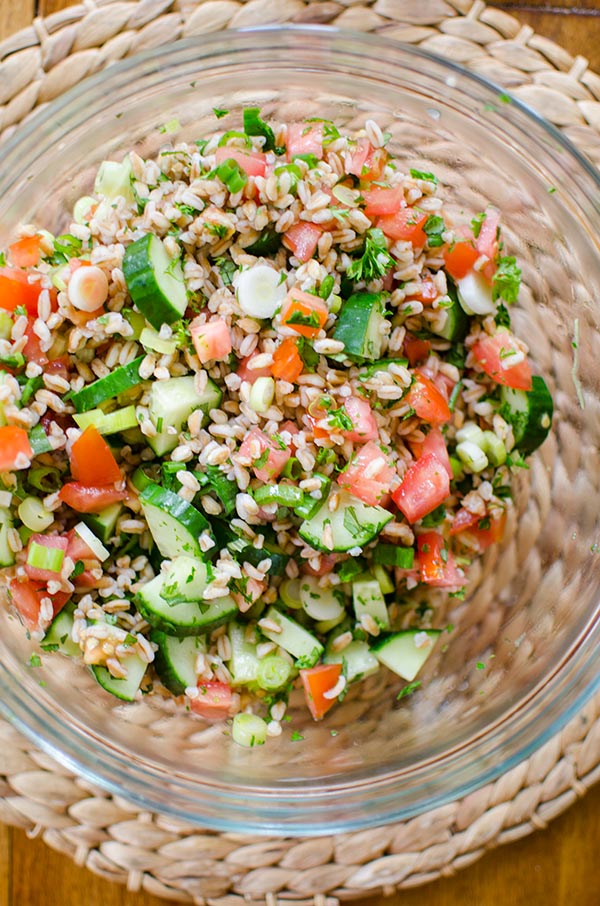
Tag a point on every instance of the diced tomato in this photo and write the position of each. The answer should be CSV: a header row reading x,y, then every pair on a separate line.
x,y
56,542
60,366
303,312
365,161
463,521
444,384
363,420
85,499
415,349
374,165
253,448
406,224
427,401
459,258
27,598
33,351
487,240
250,374
373,489
212,340
16,290
214,700
302,239
92,461
328,561
484,531
15,449
86,579
495,354
381,202
287,361
25,252
436,562
425,485
316,681
304,138
427,292
356,157
253,163
291,428
435,443
77,549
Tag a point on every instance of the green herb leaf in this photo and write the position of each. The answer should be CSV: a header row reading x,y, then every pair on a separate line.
x,y
476,223
297,317
217,229
220,112
227,268
422,174
502,317
408,690
375,261
254,125
339,418
307,354
507,280
433,228
34,661
78,569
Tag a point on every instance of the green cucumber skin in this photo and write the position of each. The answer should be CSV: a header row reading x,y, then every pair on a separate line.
x,y
167,671
125,689
353,323
143,284
528,431
192,618
311,530
173,507
200,628
103,524
457,322
106,388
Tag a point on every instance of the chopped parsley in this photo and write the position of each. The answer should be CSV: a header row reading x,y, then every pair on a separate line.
x,y
298,317
296,736
78,569
201,144
311,160
436,517
433,228
65,248
186,209
422,174
34,661
507,280
172,126
219,112
408,689
261,461
502,317
227,268
339,418
254,125
217,229
307,354
477,222
375,261
2,259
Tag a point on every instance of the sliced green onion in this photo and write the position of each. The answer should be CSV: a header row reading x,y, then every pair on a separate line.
x,y
249,730
39,441
94,543
151,339
347,196
335,304
58,277
262,394
295,175
108,422
136,321
393,555
327,287
472,456
13,360
454,395
292,469
232,133
311,505
230,173
6,325
457,467
254,125
45,478
260,291
145,475
42,557
273,673
34,514
30,387
289,592
225,488
325,626
493,448
283,494
319,603
470,432
170,471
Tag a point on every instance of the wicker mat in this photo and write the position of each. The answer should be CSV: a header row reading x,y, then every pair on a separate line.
x,y
179,862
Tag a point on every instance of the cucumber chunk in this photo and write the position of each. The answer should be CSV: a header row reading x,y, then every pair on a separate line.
x,y
184,580
244,663
368,600
103,524
171,404
529,412
456,325
125,689
174,523
357,659
7,557
58,636
191,618
106,388
155,281
175,660
405,652
358,325
293,638
353,524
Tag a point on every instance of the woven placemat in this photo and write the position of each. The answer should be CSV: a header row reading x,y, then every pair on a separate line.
x,y
158,854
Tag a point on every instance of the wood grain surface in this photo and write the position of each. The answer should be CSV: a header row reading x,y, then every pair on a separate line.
x,y
555,867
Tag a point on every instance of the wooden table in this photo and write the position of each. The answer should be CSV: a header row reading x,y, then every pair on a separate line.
x,y
558,867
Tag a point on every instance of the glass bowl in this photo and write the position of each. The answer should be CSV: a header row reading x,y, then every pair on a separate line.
x,y
521,658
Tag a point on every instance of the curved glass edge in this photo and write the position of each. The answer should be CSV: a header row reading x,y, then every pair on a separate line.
x,y
343,808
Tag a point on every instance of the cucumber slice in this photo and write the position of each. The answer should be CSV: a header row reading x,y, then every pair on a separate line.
x,y
174,523
357,658
106,388
293,638
358,325
125,689
405,652
319,603
185,580
310,506
353,524
192,618
456,325
151,339
58,636
175,660
155,281
114,179
475,295
108,422
7,557
529,412
367,599
103,524
244,663
171,404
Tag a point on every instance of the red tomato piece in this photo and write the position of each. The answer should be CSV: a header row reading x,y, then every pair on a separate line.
x,y
487,240
381,202
16,290
427,401
287,361
77,549
304,138
302,239
316,682
15,449
25,252
56,542
365,161
374,486
427,293
33,351
374,165
406,224
483,531
303,312
463,521
459,258
425,485
250,374
356,157
436,562
495,356
253,163
27,598
363,420
92,461
212,340
415,349
259,448
85,499
214,700
434,443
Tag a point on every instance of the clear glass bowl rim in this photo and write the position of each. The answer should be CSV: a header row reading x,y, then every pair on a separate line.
x,y
297,808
